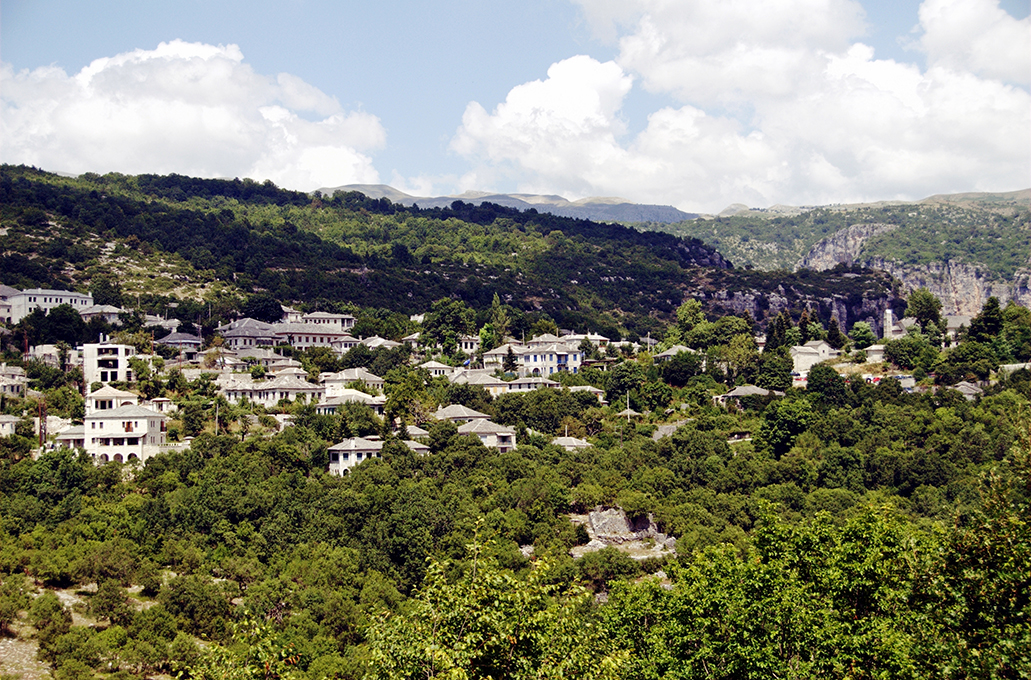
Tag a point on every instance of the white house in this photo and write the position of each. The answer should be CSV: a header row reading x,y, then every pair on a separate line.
x,y
351,452
376,341
874,354
543,356
7,424
108,398
491,434
123,433
248,333
24,302
570,443
5,302
480,378
108,313
331,405
335,382
457,413
672,352
744,391
107,362
339,321
532,383
305,335
469,344
436,369
804,357
268,393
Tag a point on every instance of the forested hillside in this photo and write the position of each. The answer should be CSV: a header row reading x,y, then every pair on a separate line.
x,y
862,532
839,526
182,240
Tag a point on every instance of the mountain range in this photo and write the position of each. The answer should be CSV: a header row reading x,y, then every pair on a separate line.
x,y
604,209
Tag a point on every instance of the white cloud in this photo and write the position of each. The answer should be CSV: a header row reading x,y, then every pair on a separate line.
x,y
189,108
777,104
977,36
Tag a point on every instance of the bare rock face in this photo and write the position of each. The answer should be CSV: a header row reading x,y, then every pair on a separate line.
x,y
962,288
640,538
842,247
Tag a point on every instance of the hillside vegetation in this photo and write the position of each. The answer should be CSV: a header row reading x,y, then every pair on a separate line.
x,y
175,239
994,236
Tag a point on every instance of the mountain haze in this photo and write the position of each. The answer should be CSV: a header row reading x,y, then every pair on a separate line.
x,y
599,209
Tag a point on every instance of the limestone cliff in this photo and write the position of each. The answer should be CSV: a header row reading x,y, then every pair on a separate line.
x,y
962,288
842,247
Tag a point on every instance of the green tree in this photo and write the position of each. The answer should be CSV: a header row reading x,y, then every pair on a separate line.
x,y
969,360
987,325
258,649
106,290
406,395
782,421
923,306
263,307
111,602
680,368
974,606
490,624
447,320
510,363
51,620
13,598
499,320
911,351
774,372
626,377
826,385
863,335
835,338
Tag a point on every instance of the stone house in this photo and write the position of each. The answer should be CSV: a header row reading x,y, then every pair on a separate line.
x,y
335,382
491,434
24,302
123,433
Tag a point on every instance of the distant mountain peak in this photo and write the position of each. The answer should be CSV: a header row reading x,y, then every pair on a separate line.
x,y
595,208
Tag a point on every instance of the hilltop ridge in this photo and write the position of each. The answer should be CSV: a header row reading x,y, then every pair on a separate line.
x,y
597,208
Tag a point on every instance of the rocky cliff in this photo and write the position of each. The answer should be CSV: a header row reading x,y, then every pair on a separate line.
x,y
962,288
842,247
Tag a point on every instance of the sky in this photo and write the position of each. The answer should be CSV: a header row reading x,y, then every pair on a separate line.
x,y
691,103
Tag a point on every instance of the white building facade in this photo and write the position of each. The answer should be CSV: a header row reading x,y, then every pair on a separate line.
x,y
107,362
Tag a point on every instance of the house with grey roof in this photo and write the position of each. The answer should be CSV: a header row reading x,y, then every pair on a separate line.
x,y
490,434
351,452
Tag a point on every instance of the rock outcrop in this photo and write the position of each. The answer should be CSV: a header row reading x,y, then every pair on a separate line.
x,y
962,288
640,538
842,247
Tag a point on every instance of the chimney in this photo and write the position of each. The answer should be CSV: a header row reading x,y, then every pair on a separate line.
x,y
889,323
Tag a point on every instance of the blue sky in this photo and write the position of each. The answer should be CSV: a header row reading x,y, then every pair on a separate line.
x,y
694,104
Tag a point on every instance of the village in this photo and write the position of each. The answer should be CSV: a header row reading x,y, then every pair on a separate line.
x,y
246,369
